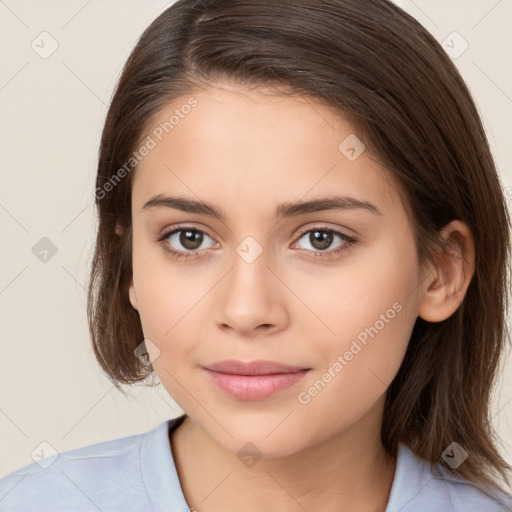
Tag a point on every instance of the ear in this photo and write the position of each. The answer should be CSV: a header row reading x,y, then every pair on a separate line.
x,y
446,286
132,295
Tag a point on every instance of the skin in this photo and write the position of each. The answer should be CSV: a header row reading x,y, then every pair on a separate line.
x,y
247,151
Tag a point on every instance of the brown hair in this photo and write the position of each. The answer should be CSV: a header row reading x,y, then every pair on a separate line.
x,y
380,68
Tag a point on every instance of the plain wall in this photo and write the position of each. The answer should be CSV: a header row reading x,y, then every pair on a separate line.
x,y
51,113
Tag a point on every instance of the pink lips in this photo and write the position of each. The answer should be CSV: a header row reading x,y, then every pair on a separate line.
x,y
255,380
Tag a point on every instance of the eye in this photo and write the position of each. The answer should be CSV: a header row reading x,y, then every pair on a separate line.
x,y
190,239
321,238
186,242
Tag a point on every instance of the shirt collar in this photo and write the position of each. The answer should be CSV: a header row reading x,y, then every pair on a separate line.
x,y
412,474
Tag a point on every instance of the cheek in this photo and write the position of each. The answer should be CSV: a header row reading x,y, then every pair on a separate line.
x,y
359,367
374,289
372,310
166,292
166,308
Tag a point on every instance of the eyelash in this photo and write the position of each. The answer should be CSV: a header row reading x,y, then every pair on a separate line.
x,y
349,242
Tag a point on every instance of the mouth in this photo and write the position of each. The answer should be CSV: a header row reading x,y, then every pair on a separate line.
x,y
255,380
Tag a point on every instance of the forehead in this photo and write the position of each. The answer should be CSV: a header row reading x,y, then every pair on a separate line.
x,y
250,144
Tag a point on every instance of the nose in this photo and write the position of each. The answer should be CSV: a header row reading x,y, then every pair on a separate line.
x,y
251,299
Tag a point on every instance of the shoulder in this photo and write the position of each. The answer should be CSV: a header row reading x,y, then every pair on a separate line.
x,y
95,477
423,487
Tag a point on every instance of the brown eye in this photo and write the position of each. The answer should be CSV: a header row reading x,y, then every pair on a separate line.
x,y
184,242
320,240
190,239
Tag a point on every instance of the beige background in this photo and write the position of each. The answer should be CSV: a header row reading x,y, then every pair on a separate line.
x,y
51,115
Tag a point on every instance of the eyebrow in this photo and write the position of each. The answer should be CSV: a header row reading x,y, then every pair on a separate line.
x,y
283,210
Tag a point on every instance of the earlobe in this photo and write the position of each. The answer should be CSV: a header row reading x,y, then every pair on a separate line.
x,y
132,295
446,286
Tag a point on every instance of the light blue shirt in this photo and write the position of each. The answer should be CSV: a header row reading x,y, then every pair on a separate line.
x,y
137,473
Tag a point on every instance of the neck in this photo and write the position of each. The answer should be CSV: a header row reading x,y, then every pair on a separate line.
x,y
349,471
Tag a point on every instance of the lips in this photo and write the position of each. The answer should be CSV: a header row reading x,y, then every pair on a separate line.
x,y
255,380
261,367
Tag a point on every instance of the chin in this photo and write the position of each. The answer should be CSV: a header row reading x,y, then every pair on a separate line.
x,y
264,433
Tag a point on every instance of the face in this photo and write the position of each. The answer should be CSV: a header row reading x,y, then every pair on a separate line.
x,y
331,290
